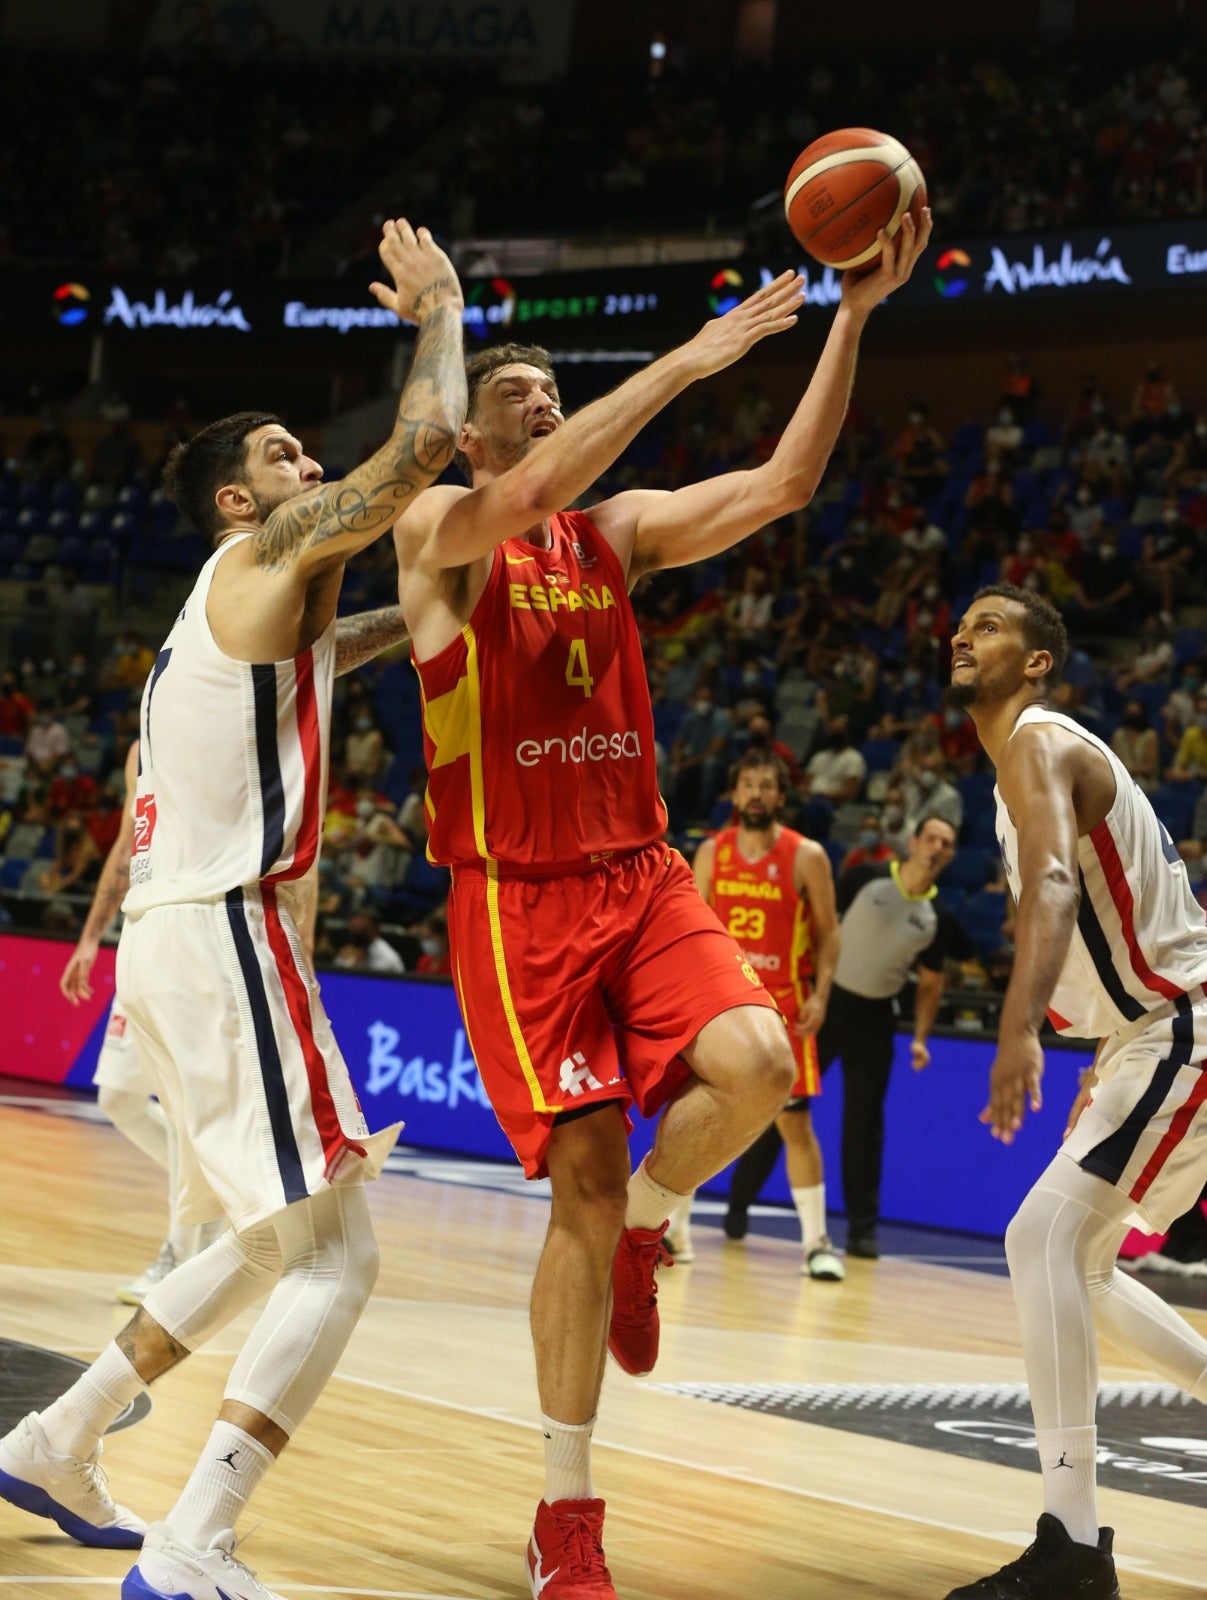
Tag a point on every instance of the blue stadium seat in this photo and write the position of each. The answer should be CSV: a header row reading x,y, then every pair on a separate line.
x,y
969,868
65,495
65,524
94,523
10,548
1174,803
72,551
1131,541
880,754
131,497
1115,508
1189,643
125,525
163,513
11,873
968,436
1037,433
831,521
837,852
33,496
31,520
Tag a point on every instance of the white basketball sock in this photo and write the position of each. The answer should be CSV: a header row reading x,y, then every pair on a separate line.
x,y
650,1205
811,1209
567,1460
74,1423
1069,1458
221,1484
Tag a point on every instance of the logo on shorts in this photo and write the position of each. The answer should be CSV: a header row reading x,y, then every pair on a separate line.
x,y
576,1075
144,823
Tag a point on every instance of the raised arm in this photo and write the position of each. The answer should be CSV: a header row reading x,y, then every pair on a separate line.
x,y
328,524
366,634
454,528
1036,779
671,529
110,892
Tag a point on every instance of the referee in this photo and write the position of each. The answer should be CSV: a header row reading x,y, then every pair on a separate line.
x,y
889,921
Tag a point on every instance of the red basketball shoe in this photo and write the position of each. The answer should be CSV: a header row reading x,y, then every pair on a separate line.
x,y
633,1335
565,1559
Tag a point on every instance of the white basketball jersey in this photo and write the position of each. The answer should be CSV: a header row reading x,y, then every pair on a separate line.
x,y
1141,937
232,776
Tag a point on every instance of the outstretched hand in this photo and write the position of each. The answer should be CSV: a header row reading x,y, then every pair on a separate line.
x,y
771,309
424,277
1014,1081
862,291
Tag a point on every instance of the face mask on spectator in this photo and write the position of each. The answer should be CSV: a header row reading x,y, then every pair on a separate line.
x,y
953,718
77,669
911,678
365,808
1084,497
931,591
927,780
702,707
1106,552
1025,547
869,839
1169,514
67,771
751,677
1200,429
1005,418
363,724
48,666
431,947
892,817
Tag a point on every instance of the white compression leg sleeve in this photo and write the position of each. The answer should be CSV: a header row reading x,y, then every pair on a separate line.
x,y
140,1118
1062,1249
329,1266
209,1290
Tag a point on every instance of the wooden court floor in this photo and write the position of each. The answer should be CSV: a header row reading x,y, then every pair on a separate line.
x,y
416,1476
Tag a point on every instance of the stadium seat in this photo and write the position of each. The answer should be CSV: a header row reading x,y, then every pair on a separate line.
x,y
969,869
63,523
880,754
11,548
94,523
12,870
31,520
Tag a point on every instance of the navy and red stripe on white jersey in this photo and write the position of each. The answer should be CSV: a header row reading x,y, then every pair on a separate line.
x,y
1141,937
232,764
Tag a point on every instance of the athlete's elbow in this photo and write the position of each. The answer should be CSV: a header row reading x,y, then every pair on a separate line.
x,y
786,490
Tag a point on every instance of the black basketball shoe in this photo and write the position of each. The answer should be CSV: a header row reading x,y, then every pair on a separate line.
x,y
737,1222
1053,1568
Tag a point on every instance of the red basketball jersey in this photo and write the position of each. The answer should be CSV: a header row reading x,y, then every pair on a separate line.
x,y
537,723
759,906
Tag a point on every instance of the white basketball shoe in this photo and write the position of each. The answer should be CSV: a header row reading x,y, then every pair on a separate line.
x,y
169,1569
68,1489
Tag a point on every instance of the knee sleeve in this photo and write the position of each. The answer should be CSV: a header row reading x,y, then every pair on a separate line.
x,y
329,1266
209,1290
1067,1226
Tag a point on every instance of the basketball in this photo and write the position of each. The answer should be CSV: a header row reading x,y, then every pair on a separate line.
x,y
845,187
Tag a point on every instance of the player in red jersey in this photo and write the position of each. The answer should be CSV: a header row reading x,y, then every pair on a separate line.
x,y
773,890
589,972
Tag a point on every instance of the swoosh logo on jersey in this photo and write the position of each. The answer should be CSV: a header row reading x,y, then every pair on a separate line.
x,y
539,1579
516,561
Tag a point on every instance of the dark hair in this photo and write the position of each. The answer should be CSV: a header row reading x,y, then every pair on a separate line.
x,y
195,471
1043,625
754,760
481,368
934,816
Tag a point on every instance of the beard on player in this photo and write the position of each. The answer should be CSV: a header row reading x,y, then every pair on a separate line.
x,y
756,818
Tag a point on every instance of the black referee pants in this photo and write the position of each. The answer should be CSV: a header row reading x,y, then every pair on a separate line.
x,y
859,1033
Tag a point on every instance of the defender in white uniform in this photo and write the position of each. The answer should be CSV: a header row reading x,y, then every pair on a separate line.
x,y
211,969
1110,943
125,1092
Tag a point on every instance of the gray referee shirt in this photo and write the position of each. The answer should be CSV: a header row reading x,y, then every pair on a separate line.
x,y
884,931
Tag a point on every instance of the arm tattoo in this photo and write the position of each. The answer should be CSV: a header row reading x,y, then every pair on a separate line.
x,y
369,500
110,892
358,639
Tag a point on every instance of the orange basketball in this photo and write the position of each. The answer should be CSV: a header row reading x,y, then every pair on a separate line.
x,y
844,188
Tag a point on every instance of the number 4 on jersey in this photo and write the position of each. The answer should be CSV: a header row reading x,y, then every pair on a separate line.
x,y
577,674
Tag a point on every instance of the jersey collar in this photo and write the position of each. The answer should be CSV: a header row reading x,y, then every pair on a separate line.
x,y
927,894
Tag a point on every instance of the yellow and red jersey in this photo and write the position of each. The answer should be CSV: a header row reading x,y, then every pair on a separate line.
x,y
758,903
537,724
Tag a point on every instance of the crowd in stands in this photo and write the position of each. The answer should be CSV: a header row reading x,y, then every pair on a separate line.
x,y
1021,140
823,639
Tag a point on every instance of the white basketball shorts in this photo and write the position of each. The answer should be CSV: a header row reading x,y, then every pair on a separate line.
x,y
118,1066
223,1004
1145,1130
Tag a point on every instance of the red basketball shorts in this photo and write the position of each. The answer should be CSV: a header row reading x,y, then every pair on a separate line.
x,y
807,1083
583,989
